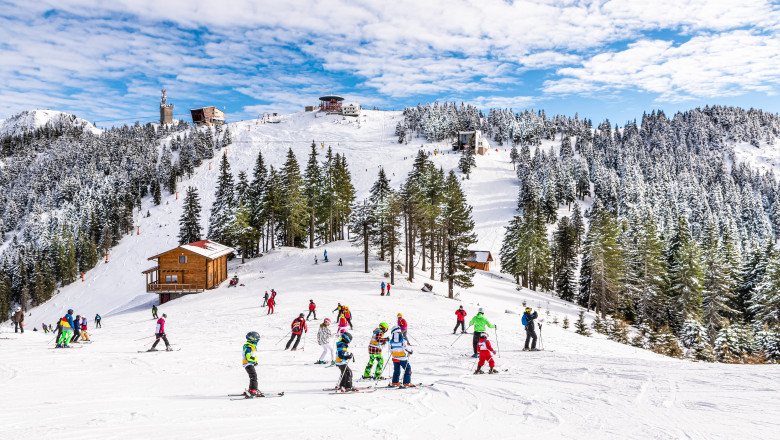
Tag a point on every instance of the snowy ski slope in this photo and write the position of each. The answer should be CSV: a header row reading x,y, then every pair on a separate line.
x,y
579,388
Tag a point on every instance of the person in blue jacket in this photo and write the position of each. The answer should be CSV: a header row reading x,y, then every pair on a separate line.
x,y
342,361
67,326
530,331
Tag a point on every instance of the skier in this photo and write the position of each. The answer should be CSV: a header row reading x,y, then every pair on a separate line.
x,y
340,262
479,322
273,295
97,321
326,255
402,324
342,359
315,259
271,304
383,288
312,309
298,326
342,324
388,289
83,333
66,329
233,281
461,314
323,338
399,352
486,353
348,316
338,309
45,330
265,299
154,311
378,341
250,360
160,333
530,332
76,330
18,320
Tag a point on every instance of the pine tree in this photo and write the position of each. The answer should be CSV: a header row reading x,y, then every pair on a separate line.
x,y
379,194
565,259
467,162
716,284
685,274
156,194
257,192
272,204
312,192
189,222
602,264
223,209
565,324
646,271
458,232
580,326
362,227
765,303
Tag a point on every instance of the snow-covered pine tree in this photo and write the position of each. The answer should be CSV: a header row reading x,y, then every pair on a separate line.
x,y
362,226
467,162
580,326
312,191
222,213
458,234
189,222
379,193
293,203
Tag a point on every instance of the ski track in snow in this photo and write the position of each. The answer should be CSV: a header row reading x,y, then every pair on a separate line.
x,y
585,388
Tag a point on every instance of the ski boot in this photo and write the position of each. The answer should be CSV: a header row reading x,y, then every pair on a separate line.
x,y
293,349
394,385
492,371
380,378
526,349
168,349
333,362
409,385
253,393
535,349
151,349
475,355
366,377
479,371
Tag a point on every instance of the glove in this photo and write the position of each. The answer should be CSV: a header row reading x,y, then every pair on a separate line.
x,y
410,351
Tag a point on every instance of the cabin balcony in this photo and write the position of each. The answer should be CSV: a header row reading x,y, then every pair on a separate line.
x,y
158,287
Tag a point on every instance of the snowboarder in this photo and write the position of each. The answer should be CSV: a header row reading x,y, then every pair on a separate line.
x,y
375,346
66,329
479,322
326,255
265,299
486,353
298,326
388,289
342,359
340,262
160,333
312,309
250,360
530,332
76,330
399,351
461,314
383,288
348,316
97,321
402,324
83,333
154,311
271,304
323,338
233,281
18,319
342,324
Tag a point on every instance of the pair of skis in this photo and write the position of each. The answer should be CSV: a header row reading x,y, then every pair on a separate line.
x,y
245,396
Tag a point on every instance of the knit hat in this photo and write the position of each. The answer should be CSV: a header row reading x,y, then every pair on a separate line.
x,y
481,311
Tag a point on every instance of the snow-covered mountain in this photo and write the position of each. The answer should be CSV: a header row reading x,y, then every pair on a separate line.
x,y
579,387
36,119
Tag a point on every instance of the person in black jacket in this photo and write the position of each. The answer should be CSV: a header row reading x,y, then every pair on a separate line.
x,y
530,331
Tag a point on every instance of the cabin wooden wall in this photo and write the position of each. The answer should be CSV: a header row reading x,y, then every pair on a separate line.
x,y
192,272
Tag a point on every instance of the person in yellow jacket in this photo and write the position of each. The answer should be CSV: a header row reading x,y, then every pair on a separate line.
x,y
66,326
250,360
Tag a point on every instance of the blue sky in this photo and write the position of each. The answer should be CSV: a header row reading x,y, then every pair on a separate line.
x,y
107,61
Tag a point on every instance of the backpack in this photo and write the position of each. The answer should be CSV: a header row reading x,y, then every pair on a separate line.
x,y
296,325
525,320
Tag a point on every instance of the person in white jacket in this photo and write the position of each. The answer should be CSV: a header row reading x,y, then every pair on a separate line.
x,y
323,338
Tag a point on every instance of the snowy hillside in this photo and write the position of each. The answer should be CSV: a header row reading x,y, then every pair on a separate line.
x,y
579,388
35,119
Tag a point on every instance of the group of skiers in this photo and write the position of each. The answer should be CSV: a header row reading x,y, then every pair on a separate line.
x,y
70,330
269,301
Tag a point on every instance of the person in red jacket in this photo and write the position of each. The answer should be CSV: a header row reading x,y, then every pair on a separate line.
x,y
461,314
271,304
160,333
486,353
298,326
402,324
312,309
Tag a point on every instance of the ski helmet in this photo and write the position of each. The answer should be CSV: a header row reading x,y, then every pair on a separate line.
x,y
70,311
481,310
253,337
311,300
301,315
527,309
347,337
484,335
461,307
400,315
18,309
384,326
164,315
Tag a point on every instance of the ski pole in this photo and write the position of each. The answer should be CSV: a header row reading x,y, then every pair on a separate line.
x,y
280,340
456,339
541,341
148,343
144,338
497,347
338,384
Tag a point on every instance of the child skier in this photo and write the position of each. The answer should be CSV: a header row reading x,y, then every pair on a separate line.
x,y
323,338
154,311
383,288
486,353
76,330
400,358
312,309
342,359
298,326
402,324
271,304
265,299
84,334
388,289
160,333
250,360
66,326
461,314
340,262
342,324
378,341
45,330
348,316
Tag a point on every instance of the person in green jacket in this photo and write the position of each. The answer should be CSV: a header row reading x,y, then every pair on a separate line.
x,y
479,322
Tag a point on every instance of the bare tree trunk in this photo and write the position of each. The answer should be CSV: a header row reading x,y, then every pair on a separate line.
x,y
406,246
311,229
450,269
365,247
422,245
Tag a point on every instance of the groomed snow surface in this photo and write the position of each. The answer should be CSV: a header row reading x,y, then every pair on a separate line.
x,y
578,388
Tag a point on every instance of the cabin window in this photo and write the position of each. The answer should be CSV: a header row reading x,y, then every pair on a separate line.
x,y
171,278
183,259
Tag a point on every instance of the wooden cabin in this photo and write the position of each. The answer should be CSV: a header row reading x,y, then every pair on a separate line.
x,y
479,260
187,269
207,116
